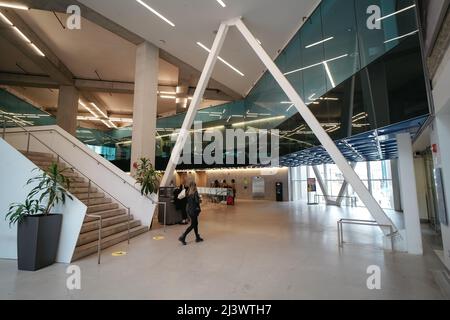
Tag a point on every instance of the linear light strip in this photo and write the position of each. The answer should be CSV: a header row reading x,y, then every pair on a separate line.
x,y
395,13
221,59
156,12
319,42
240,124
330,76
401,37
13,6
5,19
221,3
38,51
24,37
99,110
316,64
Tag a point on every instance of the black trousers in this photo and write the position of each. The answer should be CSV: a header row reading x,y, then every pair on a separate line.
x,y
193,226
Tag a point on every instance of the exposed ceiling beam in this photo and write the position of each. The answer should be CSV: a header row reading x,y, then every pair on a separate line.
x,y
25,80
50,64
100,20
86,85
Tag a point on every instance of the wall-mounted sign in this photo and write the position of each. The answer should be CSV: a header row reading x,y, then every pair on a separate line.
x,y
258,187
312,185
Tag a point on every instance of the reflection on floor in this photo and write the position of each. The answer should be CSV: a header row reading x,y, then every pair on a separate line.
x,y
254,250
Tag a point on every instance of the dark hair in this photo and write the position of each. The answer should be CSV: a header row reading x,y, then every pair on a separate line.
x,y
233,181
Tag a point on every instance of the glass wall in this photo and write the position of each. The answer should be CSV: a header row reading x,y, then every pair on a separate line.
x,y
376,175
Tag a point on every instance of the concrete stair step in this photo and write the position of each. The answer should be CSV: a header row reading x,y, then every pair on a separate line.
x,y
38,155
108,220
79,190
96,201
106,231
102,207
92,195
79,185
77,179
91,247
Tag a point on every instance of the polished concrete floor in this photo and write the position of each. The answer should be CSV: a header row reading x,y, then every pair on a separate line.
x,y
255,250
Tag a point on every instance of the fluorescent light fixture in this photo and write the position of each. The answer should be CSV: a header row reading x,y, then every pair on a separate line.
x,y
106,123
286,102
87,108
166,92
319,42
5,19
124,120
24,37
99,110
291,106
240,124
13,5
88,118
156,12
112,124
168,97
401,37
330,76
396,12
316,64
311,96
221,59
221,3
38,51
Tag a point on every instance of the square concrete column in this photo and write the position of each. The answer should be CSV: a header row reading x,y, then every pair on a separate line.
x,y
66,116
145,103
408,188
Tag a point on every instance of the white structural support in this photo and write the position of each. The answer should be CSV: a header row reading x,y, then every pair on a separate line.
x,y
322,185
349,174
195,103
408,188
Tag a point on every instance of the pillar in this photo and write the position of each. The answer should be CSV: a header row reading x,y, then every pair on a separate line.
x,y
408,189
145,103
396,186
66,116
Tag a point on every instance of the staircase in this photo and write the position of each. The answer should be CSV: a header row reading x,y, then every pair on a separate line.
x,y
114,218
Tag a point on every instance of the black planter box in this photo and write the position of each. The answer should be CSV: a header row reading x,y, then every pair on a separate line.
x,y
37,241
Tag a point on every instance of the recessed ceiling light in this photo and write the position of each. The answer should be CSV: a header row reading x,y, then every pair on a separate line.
x,y
5,19
221,59
13,5
168,97
319,42
221,3
156,12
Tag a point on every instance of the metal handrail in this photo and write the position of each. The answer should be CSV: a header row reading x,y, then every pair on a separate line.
x,y
89,155
370,223
100,228
30,134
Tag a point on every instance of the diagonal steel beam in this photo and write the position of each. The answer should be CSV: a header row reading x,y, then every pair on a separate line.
x,y
194,106
350,175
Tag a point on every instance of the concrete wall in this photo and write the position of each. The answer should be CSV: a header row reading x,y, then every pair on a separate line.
x,y
440,136
103,174
421,181
244,179
15,170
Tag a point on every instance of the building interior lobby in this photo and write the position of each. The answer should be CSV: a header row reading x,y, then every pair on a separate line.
x,y
310,135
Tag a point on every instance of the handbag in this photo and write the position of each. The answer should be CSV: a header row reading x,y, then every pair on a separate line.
x,y
182,194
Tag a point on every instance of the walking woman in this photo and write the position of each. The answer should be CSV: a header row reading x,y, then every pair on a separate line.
x,y
193,210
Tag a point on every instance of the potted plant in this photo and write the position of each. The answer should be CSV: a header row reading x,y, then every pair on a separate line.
x,y
146,176
38,229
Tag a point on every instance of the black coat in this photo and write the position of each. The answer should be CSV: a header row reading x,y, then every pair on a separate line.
x,y
193,204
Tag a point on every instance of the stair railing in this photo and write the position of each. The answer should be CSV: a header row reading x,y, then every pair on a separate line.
x,y
90,181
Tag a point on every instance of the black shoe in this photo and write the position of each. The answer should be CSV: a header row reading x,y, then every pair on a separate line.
x,y
181,239
199,240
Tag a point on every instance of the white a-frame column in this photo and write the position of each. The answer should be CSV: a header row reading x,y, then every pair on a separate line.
x,y
193,108
350,175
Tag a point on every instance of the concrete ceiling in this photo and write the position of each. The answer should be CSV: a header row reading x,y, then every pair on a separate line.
x,y
272,22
